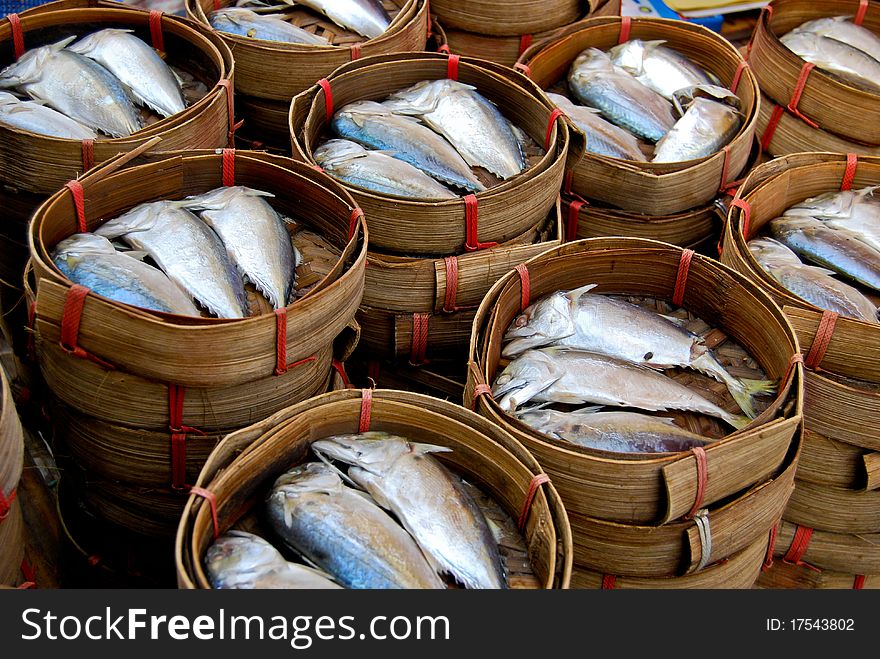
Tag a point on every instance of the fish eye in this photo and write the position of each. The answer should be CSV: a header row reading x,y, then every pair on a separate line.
x,y
521,321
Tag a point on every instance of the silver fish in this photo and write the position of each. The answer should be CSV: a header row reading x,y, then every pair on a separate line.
x,y
254,235
76,86
706,126
37,118
374,125
377,171
344,532
855,210
597,82
186,248
617,431
602,324
149,79
839,250
245,561
93,262
815,285
246,23
366,17
603,137
658,67
428,500
841,59
841,28
563,375
471,123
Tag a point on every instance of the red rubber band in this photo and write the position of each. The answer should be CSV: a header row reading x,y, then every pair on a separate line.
x,y
480,390
822,339
281,341
567,182
79,203
684,266
737,77
449,302
324,84
366,410
608,582
625,27
859,582
355,51
860,14
799,545
228,167
472,242
17,35
208,496
797,358
725,169
524,69
852,162
88,154
30,578
216,5
6,503
70,322
156,30
798,92
444,49
230,108
702,479
179,431
356,214
452,67
537,481
571,227
770,130
339,367
419,339
550,123
746,215
524,42
768,559
525,284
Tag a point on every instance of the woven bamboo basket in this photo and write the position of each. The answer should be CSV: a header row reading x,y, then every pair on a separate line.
x,y
444,379
738,572
295,67
830,462
822,96
657,488
265,122
206,123
834,509
784,575
239,471
12,545
11,464
503,212
664,188
510,18
854,554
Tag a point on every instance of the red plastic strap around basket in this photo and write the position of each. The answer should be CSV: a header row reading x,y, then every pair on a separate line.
x,y
536,482
324,84
771,545
852,162
355,51
228,167
366,410
70,322
281,365
480,390
702,479
799,545
524,42
746,215
17,35
419,339
625,27
30,577
571,227
444,48
770,130
156,30
208,496
795,359
608,582
471,213
449,302
176,395
798,92
859,582
860,14
725,169
817,350
737,77
88,154
356,214
567,182
374,367
452,67
340,368
524,68
681,277
79,203
230,108
216,5
550,123
6,503
525,286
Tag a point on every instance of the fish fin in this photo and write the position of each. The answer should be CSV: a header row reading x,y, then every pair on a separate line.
x,y
680,322
136,254
423,449
818,270
576,293
738,421
496,529
61,45
590,409
653,44
345,477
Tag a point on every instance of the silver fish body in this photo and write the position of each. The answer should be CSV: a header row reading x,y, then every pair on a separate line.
x,y
374,125
841,28
187,249
430,502
246,23
658,67
471,123
854,210
366,17
616,431
37,118
344,532
576,377
244,561
833,56
254,235
76,86
92,261
603,137
705,128
597,82
377,171
839,250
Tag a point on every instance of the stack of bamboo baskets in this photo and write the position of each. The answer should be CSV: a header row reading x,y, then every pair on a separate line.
x,y
269,73
805,108
141,398
695,519
430,262
832,523
11,463
671,202
242,468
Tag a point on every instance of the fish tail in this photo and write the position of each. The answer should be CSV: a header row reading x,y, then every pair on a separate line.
x,y
738,421
742,390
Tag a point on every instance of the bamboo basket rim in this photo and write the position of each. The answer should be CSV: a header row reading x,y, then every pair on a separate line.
x,y
508,19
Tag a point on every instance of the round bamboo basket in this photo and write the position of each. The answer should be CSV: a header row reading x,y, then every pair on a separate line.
x,y
265,122
834,509
504,211
11,464
778,70
785,575
650,489
663,188
204,352
853,554
510,18
833,463
206,123
295,67
11,546
241,468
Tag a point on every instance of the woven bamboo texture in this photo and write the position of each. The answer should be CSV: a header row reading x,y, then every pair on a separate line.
x,y
827,461
664,188
12,546
853,554
265,121
784,575
11,440
834,509
51,162
655,489
504,211
245,464
778,70
295,67
510,18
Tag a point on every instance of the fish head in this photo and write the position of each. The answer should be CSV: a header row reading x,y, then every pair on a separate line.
x,y
219,198
374,451
336,151
630,56
29,67
81,244
94,40
830,205
423,97
526,376
685,97
8,99
309,477
770,253
237,555
546,321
